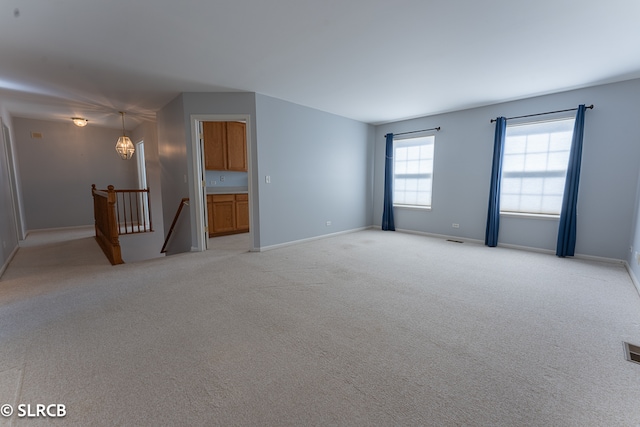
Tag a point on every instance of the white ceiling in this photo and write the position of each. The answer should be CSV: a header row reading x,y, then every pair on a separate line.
x,y
371,60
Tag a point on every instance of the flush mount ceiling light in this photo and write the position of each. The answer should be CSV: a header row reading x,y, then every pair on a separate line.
x,y
124,146
79,121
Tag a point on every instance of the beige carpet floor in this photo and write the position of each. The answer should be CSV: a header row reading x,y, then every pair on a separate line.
x,y
367,328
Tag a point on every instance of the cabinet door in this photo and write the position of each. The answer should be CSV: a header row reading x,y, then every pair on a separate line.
x,y
210,214
236,146
224,215
242,212
214,135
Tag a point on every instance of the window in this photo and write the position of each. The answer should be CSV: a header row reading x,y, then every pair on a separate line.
x,y
534,167
413,171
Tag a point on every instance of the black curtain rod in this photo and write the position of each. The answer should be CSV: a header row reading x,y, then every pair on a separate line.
x,y
542,114
414,131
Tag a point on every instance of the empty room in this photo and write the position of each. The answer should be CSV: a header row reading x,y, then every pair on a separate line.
x,y
320,213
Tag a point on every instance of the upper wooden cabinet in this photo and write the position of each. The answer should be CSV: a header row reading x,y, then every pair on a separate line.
x,y
214,135
236,146
225,146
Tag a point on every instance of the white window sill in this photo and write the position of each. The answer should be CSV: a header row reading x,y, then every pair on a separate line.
x,y
530,215
413,207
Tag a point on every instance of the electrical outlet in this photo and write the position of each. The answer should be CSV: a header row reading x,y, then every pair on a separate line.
x,y
454,225
221,178
328,223
267,179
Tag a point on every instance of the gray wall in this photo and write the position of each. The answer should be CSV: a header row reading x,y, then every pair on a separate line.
x,y
463,152
172,156
321,170
57,171
320,164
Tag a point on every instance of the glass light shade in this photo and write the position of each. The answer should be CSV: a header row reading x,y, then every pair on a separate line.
x,y
79,121
125,147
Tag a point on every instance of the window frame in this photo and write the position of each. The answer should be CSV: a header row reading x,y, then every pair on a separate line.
x,y
525,122
398,140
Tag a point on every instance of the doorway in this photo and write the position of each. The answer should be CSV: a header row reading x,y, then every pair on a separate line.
x,y
142,180
232,185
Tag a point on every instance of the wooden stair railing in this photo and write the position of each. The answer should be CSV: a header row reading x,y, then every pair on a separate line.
x,y
104,213
184,201
119,212
133,209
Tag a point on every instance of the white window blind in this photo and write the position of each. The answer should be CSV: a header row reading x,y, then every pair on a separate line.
x,y
534,166
413,171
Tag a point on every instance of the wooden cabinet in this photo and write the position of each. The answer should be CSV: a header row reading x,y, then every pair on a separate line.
x,y
223,214
214,135
242,212
225,146
236,146
227,214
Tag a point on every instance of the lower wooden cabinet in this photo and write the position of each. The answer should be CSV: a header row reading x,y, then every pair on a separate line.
x,y
228,214
242,212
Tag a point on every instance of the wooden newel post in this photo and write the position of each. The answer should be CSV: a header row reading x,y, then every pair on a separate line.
x,y
106,225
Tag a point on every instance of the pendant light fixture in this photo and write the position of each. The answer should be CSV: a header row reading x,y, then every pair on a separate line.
x,y
124,146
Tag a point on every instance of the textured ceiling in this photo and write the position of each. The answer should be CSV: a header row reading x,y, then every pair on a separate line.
x,y
370,60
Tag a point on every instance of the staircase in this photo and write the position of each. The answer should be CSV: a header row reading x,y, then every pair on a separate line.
x,y
119,212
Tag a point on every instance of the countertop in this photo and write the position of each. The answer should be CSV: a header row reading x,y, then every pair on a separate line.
x,y
227,190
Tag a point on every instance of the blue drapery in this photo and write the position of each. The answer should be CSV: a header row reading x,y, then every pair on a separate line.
x,y
567,229
387,212
493,214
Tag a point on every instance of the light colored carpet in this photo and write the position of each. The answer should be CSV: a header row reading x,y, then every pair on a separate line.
x,y
368,328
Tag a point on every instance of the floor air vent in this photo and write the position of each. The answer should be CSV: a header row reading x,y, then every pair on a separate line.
x,y
455,241
632,352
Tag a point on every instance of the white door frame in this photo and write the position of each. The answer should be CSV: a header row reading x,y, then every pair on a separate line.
x,y
143,198
199,188
13,182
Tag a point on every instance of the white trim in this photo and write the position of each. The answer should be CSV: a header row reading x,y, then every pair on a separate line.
x,y
530,215
413,207
69,228
6,264
548,117
598,259
525,248
308,239
198,190
13,181
415,134
634,279
439,236
197,162
510,246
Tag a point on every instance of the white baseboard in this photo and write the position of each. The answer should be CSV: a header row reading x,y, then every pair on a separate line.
x,y
508,245
309,239
634,279
438,236
8,261
72,227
